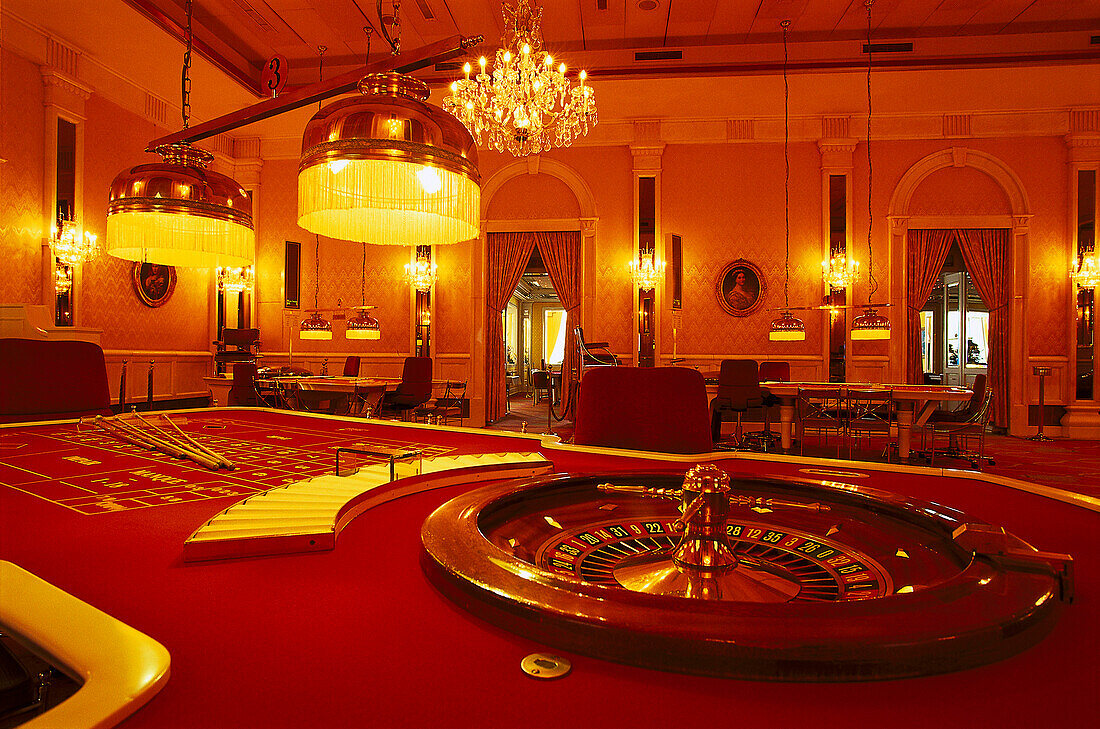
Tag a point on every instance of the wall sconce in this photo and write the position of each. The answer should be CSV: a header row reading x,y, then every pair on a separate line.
x,y
647,271
421,274
235,280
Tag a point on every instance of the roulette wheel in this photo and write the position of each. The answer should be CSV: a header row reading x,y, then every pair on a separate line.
x,y
761,578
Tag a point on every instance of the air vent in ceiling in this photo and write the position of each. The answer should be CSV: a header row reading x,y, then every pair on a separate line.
x,y
1095,40
658,55
425,9
601,4
260,20
887,48
448,66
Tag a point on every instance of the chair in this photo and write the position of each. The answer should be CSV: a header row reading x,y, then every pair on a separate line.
x,y
453,405
594,354
414,390
52,380
738,390
541,385
351,366
771,371
961,436
967,410
823,411
661,409
242,341
243,393
870,412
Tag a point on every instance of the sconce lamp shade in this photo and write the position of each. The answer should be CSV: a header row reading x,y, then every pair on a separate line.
x,y
315,327
388,168
787,328
870,325
178,213
363,325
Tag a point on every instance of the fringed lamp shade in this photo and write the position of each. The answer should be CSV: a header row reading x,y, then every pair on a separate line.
x,y
787,328
315,327
178,213
388,168
870,325
363,325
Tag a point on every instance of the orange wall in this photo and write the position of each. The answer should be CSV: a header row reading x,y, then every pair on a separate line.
x,y
22,139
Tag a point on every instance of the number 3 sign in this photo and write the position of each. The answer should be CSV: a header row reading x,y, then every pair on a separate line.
x,y
273,79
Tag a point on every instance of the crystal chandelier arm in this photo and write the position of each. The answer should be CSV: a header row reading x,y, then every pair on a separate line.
x,y
444,50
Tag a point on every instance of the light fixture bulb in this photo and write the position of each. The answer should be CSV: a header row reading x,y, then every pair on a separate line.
x,y
430,180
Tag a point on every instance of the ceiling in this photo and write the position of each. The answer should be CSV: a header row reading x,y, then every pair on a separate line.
x,y
606,36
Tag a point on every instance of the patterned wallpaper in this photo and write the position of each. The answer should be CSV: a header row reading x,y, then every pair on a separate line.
x,y
727,202
22,138
115,140
341,275
454,290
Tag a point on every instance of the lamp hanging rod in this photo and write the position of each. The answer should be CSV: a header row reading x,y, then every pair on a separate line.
x,y
409,61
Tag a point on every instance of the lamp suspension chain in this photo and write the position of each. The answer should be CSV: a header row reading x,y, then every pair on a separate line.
x,y
787,170
871,280
185,80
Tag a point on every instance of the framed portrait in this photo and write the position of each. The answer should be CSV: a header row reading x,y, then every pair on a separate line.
x,y
740,288
153,283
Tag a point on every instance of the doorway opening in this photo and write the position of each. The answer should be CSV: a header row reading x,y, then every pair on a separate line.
x,y
954,327
535,330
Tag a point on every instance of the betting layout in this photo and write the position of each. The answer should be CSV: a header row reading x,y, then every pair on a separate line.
x,y
85,469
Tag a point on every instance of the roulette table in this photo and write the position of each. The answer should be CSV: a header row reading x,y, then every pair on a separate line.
x,y
374,633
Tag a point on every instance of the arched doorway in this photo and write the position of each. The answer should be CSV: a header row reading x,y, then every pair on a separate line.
x,y
545,199
967,189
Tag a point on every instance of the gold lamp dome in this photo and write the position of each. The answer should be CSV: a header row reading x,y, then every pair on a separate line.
x,y
387,167
178,213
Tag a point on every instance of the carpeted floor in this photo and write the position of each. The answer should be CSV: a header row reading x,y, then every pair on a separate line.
x,y
1073,465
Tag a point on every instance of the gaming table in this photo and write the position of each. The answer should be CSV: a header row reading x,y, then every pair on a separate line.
x,y
914,404
361,635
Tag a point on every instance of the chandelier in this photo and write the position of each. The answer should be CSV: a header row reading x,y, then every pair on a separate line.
x,y
316,326
840,272
526,105
70,246
421,274
176,212
788,327
62,279
1087,273
647,271
235,280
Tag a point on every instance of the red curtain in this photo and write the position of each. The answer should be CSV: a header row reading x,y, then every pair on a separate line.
x,y
508,256
561,254
986,254
927,253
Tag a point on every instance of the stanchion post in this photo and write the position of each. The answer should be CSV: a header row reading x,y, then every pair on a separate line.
x,y
1041,373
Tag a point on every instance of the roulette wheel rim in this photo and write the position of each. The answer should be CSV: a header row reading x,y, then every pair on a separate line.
x,y
996,604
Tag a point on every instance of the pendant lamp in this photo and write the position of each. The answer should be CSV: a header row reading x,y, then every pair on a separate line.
x,y
870,324
788,327
363,325
386,167
176,212
316,326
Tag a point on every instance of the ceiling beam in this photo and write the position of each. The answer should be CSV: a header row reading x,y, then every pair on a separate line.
x,y
407,62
